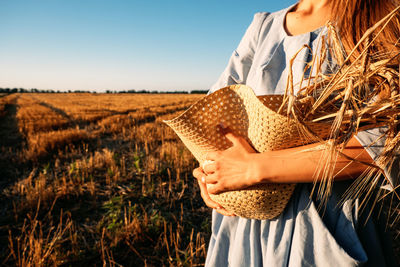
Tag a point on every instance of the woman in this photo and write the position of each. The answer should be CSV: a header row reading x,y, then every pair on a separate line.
x,y
302,235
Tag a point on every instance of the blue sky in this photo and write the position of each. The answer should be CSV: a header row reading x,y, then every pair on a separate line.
x,y
120,45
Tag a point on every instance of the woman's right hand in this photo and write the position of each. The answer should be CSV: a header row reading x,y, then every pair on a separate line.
x,y
200,176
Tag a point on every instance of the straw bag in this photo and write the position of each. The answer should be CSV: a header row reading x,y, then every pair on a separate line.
x,y
254,118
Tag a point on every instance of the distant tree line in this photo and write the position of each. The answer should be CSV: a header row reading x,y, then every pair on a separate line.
x,y
34,90
132,91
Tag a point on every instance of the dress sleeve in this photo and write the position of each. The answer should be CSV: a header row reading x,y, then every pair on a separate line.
x,y
241,60
373,140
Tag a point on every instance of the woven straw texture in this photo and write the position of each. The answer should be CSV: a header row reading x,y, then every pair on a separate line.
x,y
254,118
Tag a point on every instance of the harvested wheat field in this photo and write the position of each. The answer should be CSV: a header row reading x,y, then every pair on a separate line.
x,y
98,179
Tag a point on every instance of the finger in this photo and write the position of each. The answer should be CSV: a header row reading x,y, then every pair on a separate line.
x,y
228,133
213,189
198,173
235,140
213,155
225,212
206,197
209,167
211,178
211,203
200,176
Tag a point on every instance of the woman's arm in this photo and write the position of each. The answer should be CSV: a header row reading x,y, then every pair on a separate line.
x,y
239,166
199,175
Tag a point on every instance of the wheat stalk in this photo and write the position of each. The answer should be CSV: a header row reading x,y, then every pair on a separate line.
x,y
362,94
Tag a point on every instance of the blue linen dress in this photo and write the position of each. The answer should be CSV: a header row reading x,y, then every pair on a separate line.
x,y
301,235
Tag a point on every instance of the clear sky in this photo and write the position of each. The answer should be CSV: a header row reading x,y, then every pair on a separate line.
x,y
121,45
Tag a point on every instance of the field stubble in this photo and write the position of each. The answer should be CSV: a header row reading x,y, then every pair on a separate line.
x,y
98,179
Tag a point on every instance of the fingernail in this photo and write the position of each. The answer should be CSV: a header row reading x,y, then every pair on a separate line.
x,y
203,180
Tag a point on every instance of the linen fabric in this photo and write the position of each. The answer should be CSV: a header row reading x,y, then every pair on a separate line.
x,y
302,235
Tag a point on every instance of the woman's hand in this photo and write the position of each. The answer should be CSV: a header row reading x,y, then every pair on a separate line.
x,y
200,175
233,168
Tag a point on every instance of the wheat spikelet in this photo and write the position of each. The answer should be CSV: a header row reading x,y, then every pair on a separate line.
x,y
362,94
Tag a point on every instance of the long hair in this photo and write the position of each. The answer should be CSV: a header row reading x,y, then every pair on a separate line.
x,y
366,83
354,17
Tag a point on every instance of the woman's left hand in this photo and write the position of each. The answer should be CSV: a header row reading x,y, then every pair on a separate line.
x,y
233,168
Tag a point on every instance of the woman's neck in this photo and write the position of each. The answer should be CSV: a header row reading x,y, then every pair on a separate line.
x,y
312,6
307,16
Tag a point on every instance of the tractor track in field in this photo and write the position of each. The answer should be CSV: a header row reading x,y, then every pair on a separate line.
x,y
91,124
12,144
10,136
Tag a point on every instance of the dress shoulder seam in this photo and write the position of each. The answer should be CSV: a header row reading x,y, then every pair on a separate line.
x,y
262,16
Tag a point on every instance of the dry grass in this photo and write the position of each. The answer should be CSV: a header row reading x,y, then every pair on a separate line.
x,y
91,107
4,101
38,245
41,143
113,188
35,117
